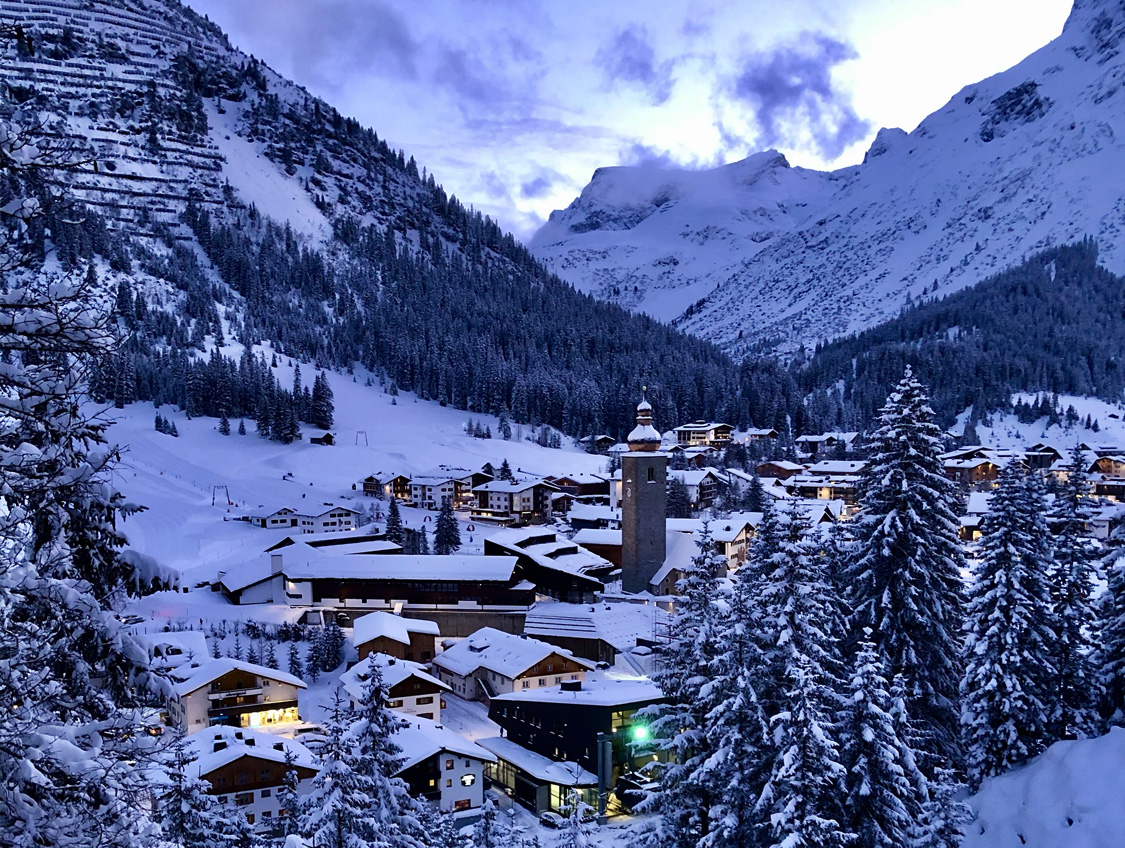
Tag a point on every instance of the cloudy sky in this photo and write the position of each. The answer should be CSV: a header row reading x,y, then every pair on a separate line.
x,y
512,104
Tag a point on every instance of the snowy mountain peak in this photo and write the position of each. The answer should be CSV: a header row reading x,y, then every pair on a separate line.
x,y
757,255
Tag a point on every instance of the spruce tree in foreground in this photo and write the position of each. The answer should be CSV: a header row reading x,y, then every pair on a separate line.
x,y
880,798
1074,689
1110,656
72,764
679,727
447,535
1007,687
906,580
802,798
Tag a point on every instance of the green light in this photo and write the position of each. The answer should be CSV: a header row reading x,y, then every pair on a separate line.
x,y
640,732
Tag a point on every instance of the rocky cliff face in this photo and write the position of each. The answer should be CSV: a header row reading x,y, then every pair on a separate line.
x,y
759,255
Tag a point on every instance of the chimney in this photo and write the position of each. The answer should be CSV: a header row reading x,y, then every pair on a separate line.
x,y
275,563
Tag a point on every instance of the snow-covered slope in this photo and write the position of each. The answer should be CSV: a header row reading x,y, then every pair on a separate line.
x,y
1025,159
1071,796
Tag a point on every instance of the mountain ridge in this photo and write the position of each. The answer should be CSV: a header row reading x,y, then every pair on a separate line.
x,y
1011,165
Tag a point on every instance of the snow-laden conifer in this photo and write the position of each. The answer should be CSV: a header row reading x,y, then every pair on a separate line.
x,y
1074,689
1006,692
906,579
447,534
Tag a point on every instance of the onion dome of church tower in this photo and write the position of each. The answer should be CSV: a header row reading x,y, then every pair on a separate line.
x,y
644,436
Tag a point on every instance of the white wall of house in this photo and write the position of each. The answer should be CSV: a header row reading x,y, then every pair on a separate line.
x,y
462,779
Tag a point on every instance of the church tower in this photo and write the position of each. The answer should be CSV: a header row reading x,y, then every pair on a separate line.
x,y
644,494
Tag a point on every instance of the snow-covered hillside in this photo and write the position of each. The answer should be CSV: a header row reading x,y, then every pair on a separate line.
x,y
1020,161
175,478
1071,796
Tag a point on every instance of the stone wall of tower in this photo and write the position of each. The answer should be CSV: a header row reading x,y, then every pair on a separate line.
x,y
644,495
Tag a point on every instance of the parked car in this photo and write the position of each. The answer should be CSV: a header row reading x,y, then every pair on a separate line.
x,y
550,819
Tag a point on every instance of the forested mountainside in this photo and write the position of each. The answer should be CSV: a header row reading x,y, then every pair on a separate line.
x,y
760,256
1054,324
237,206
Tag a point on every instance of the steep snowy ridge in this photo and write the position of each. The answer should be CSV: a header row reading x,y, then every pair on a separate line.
x,y
1018,162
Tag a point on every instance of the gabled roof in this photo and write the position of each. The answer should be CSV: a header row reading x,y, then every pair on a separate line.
x,y
394,671
836,467
617,624
500,652
401,567
548,550
212,670
419,739
506,487
219,746
600,690
540,767
394,627
701,426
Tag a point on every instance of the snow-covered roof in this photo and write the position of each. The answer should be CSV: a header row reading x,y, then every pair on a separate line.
x,y
643,434
834,467
500,652
547,549
306,509
394,671
433,479
219,746
693,477
617,624
978,503
683,525
174,648
513,488
402,567
701,426
394,627
594,512
212,670
597,536
599,689
784,464
538,766
419,739
330,540
681,549
728,529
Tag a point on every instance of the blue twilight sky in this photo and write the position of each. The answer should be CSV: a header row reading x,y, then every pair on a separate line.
x,y
512,104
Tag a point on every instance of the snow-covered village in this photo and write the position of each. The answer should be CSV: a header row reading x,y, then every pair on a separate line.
x,y
372,475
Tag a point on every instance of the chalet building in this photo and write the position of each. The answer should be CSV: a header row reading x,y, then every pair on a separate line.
x,y
704,433
828,480
597,444
562,724
702,486
506,502
491,662
975,472
816,444
232,692
761,435
442,766
387,484
1109,466
411,639
586,486
1041,456
428,492
1108,523
308,518
972,522
247,768
732,536
459,592
780,469
696,457
411,690
558,567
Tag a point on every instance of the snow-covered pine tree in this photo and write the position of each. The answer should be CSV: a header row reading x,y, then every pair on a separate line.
x,y
1006,692
488,832
906,579
394,523
1110,657
337,811
803,797
224,425
394,815
577,831
288,797
1074,695
447,535
679,725
678,504
296,667
322,403
187,812
72,766
879,795
505,472
735,725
